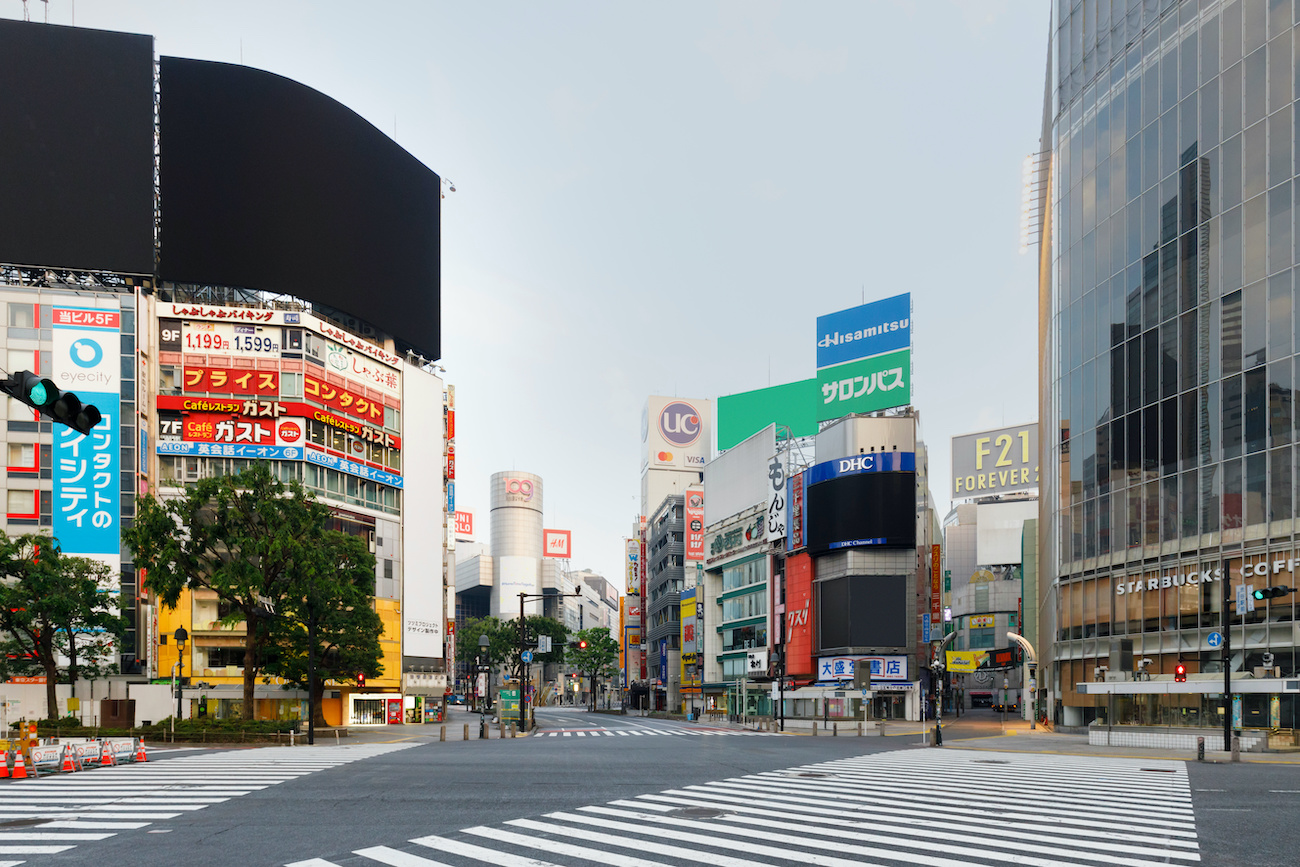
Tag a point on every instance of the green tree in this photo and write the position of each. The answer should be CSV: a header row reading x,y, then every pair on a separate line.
x,y
53,605
598,659
250,539
327,622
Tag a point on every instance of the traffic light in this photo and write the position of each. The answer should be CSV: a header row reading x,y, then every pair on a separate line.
x,y
1272,592
582,644
44,396
1180,673
361,678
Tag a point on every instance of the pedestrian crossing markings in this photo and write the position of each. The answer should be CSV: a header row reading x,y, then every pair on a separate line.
x,y
596,733
910,807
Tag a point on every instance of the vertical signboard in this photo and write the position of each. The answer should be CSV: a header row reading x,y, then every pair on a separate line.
x,y
690,674
425,504
798,614
663,662
777,502
87,360
936,589
633,577
798,514
694,524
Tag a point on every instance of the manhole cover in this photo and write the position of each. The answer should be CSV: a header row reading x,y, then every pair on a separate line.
x,y
990,762
699,812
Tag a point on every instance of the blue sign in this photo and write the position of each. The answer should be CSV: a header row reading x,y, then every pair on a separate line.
x,y
925,628
861,332
1214,639
526,656
231,450
663,660
87,483
875,462
353,468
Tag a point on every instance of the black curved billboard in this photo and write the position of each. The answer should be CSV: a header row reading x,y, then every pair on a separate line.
x,y
76,148
862,510
268,184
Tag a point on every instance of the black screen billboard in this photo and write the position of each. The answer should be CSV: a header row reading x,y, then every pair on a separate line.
x,y
76,148
862,510
862,611
270,185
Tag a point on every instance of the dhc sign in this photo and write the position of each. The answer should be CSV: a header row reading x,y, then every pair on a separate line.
x,y
876,462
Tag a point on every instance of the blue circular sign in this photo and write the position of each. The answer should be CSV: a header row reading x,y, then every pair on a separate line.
x,y
86,352
1214,639
526,656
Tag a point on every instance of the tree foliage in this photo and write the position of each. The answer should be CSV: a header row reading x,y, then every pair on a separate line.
x,y
329,611
251,539
55,607
599,659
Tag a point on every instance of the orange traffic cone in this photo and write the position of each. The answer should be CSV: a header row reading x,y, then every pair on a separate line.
x,y
106,757
4,765
67,766
140,755
20,767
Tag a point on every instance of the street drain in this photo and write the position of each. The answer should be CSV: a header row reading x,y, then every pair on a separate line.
x,y
698,812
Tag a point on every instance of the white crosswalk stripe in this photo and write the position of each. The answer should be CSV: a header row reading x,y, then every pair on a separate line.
x,y
648,732
930,808
53,814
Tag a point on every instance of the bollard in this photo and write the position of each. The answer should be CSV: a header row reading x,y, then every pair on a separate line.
x,y
835,730
1200,749
814,728
859,729
501,728
336,737
938,734
512,730
290,737
442,733
1236,748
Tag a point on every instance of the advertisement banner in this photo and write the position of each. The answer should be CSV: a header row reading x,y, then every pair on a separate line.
x,y
465,525
868,385
351,401
964,661
663,662
791,405
690,673
995,462
878,462
225,380
798,514
936,591
798,614
777,504
676,432
633,573
694,524
557,543
863,331
87,360
980,621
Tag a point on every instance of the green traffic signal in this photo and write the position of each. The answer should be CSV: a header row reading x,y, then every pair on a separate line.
x,y
44,396
1271,592
37,394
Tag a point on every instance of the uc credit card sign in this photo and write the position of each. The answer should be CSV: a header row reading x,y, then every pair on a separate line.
x,y
87,482
864,331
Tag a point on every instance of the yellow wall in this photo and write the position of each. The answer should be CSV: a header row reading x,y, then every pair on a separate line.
x,y
390,644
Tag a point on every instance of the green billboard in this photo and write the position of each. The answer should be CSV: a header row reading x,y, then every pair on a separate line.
x,y
791,405
865,385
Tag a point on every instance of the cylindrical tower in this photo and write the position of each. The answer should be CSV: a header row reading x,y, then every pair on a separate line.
x,y
516,503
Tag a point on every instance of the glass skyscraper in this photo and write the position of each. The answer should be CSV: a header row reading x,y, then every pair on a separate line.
x,y
1169,322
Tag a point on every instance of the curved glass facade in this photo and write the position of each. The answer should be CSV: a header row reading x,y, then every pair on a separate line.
x,y
1170,254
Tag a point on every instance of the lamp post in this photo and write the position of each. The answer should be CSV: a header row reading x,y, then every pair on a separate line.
x,y
181,637
483,643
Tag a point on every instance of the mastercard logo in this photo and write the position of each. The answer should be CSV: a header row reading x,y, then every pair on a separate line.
x,y
289,432
664,457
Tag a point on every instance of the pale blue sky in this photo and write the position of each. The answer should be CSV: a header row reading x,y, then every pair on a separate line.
x,y
662,198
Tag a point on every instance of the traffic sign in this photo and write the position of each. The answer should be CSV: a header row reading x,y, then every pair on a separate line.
x,y
543,644
526,656
1214,639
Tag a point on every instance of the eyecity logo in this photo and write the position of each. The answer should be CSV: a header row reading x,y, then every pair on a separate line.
x,y
86,352
679,423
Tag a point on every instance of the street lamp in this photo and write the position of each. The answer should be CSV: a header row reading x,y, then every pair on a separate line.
x,y
483,643
181,637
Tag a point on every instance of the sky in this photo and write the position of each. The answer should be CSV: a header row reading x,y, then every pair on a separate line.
x,y
660,199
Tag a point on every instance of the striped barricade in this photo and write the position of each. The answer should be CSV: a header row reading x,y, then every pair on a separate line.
x,y
45,760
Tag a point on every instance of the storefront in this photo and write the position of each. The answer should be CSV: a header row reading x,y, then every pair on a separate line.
x,y
375,709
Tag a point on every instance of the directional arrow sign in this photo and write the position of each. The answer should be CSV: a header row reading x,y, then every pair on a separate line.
x,y
526,656
1214,639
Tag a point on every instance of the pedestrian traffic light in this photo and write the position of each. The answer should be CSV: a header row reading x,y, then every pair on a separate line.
x,y
582,644
1180,673
1272,592
44,396
361,678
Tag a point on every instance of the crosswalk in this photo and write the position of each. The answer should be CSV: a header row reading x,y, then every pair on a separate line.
x,y
53,814
932,808
646,732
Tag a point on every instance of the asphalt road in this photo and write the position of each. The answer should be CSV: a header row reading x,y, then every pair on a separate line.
x,y
404,784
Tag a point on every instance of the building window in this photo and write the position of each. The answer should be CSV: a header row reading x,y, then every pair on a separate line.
x,y
22,315
21,504
982,638
22,457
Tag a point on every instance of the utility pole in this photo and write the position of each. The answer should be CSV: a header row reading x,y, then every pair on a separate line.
x,y
1227,661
